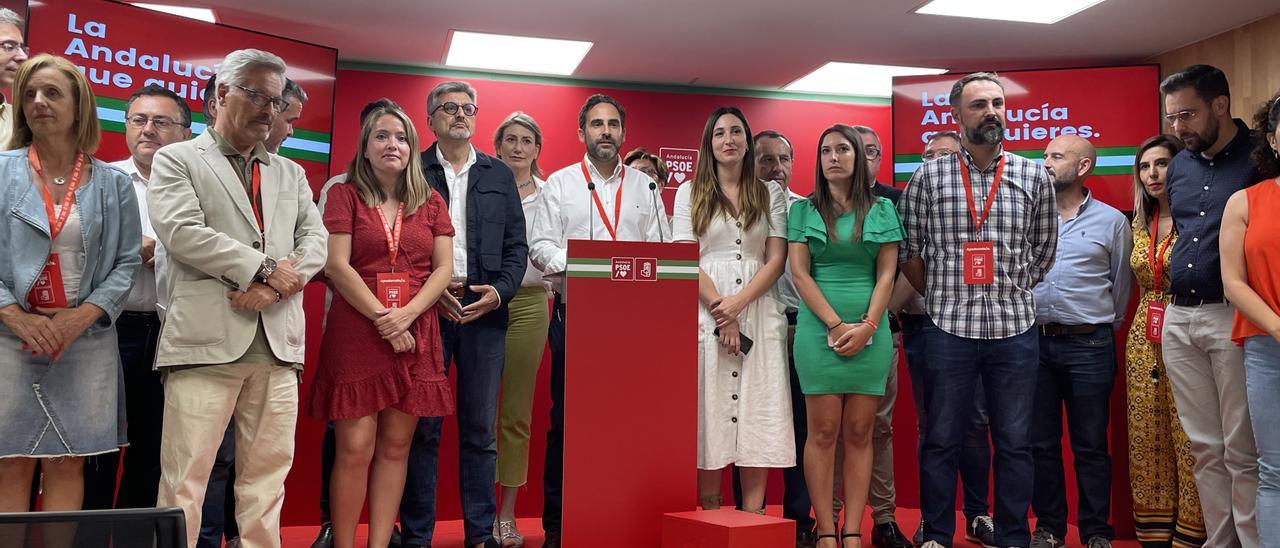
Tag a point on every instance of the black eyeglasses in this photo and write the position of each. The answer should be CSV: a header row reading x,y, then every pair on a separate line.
x,y
11,47
872,152
138,121
261,100
451,108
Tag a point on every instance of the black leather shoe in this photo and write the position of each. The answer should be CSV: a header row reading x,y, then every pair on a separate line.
x,y
888,535
806,538
552,541
397,540
325,538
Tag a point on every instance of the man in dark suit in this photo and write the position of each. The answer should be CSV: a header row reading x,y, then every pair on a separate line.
x,y
490,255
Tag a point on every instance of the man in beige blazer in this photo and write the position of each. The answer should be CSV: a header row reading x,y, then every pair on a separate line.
x,y
242,237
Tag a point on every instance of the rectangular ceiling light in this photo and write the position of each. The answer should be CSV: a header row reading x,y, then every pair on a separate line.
x,y
1024,11
856,78
201,14
507,53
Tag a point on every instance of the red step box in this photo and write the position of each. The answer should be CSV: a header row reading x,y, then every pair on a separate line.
x,y
726,528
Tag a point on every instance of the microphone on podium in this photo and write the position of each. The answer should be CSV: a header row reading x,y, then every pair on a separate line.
x,y
652,188
591,186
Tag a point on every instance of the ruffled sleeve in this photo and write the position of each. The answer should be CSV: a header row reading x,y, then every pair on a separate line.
x,y
804,225
882,224
441,223
340,209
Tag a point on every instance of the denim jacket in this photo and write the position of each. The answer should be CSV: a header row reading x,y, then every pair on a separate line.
x,y
109,224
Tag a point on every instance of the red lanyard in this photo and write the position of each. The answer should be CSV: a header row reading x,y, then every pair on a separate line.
x,y
1156,258
991,196
617,201
393,235
57,222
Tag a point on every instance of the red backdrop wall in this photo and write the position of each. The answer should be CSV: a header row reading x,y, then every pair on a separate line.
x,y
655,118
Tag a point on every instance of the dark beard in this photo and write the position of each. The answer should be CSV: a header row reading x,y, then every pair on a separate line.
x,y
603,156
1203,141
985,135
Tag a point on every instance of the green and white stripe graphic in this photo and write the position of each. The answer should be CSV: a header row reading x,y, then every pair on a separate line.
x,y
303,145
1111,161
582,267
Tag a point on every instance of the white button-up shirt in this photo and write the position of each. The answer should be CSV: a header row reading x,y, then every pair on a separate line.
x,y
142,298
457,183
530,205
569,212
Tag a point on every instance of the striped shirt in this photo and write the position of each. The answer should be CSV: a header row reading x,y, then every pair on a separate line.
x,y
1022,226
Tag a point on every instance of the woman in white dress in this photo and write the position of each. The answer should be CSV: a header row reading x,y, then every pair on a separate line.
x,y
740,223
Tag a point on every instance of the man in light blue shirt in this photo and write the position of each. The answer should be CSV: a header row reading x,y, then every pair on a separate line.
x,y
1079,304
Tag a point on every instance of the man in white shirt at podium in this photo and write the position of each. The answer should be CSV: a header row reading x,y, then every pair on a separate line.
x,y
597,198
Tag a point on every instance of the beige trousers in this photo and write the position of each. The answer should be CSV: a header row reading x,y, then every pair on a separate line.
x,y
1206,371
198,404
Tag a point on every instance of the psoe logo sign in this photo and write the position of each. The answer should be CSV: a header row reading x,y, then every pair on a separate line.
x,y
680,163
623,269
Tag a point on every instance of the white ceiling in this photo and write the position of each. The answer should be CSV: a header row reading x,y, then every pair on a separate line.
x,y
763,44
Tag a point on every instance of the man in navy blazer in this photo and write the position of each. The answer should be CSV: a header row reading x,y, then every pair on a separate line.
x,y
490,255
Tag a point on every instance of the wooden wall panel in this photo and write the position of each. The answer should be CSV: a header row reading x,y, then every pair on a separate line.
x,y
1249,55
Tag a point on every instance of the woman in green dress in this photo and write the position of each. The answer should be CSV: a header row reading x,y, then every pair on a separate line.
x,y
844,257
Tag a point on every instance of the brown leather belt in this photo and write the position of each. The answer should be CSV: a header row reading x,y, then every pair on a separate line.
x,y
1058,330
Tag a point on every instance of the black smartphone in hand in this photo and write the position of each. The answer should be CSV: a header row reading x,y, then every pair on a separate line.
x,y
744,342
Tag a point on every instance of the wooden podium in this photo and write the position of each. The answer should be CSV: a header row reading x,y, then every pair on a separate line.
x,y
631,391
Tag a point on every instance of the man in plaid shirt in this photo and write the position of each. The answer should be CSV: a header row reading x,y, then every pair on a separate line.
x,y
982,231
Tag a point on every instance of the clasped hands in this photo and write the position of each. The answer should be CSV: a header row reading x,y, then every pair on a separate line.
x,y
49,331
849,339
282,284
453,310
725,311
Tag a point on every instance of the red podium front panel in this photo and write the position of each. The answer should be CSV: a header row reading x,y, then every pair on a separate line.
x,y
631,391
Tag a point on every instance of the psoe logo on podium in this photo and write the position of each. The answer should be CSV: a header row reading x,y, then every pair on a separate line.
x,y
624,269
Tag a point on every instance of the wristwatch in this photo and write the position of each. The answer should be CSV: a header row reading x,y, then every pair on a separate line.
x,y
267,269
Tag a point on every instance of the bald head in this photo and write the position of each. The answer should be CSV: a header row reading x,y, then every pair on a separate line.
x,y
1070,160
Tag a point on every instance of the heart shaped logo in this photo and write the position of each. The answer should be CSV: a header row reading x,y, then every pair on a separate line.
x,y
679,177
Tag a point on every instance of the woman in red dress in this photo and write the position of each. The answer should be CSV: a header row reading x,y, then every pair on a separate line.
x,y
390,255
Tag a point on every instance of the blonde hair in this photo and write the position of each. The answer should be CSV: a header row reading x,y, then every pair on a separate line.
x,y
87,133
519,118
412,188
707,200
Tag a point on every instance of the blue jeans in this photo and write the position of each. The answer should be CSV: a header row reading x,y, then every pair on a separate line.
x,y
478,350
1262,378
1007,368
1076,372
553,465
975,454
